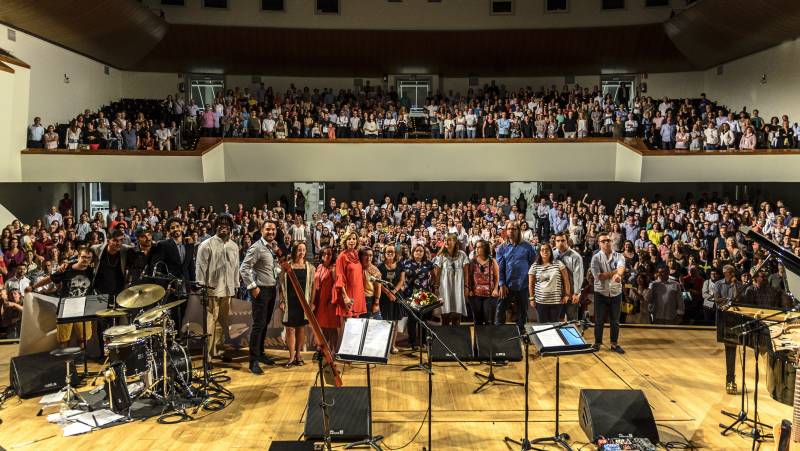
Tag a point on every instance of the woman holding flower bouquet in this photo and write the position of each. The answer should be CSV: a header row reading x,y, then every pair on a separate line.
x,y
348,290
418,271
450,270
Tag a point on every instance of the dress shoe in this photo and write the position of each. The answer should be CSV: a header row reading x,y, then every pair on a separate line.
x,y
266,360
255,368
730,388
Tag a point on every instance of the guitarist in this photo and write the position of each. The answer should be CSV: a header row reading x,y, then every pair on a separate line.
x,y
728,291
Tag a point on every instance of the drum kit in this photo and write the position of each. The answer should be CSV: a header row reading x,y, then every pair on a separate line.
x,y
145,354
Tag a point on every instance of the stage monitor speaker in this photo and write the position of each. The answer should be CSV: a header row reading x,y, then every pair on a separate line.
x,y
609,413
457,338
349,415
291,446
39,374
492,343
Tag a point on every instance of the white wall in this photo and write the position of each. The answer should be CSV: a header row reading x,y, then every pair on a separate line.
x,y
675,84
50,97
414,14
740,84
149,85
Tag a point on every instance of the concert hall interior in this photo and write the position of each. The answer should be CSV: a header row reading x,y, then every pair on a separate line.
x,y
399,224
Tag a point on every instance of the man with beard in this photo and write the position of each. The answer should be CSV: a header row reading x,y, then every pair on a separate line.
x,y
172,256
74,280
218,267
514,257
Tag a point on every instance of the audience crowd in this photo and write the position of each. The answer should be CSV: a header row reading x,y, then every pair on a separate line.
x,y
492,112
674,251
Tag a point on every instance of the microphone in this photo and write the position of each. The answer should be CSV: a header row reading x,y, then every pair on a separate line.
x,y
380,281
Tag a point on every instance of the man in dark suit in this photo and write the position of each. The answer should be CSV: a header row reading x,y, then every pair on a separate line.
x,y
172,255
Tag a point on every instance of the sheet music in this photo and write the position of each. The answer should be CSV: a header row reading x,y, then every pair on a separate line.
x,y
76,429
73,307
98,417
377,338
351,338
548,338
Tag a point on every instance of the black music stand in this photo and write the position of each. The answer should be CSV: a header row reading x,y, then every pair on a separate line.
x,y
81,309
556,339
366,341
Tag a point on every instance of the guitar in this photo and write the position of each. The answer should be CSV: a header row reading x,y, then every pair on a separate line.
x,y
312,321
787,437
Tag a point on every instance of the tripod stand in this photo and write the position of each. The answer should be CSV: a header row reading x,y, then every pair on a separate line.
x,y
210,390
323,404
755,426
490,378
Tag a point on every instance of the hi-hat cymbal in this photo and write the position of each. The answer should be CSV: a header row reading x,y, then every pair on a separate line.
x,y
139,296
155,312
136,336
111,313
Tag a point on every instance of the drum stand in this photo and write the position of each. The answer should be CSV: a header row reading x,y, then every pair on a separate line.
x,y
170,387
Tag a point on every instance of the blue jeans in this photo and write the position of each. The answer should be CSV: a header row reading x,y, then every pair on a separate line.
x,y
470,133
603,305
518,297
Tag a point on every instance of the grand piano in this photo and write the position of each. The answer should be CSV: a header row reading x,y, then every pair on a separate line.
x,y
778,341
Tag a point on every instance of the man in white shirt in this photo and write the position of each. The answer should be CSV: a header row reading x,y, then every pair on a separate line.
x,y
268,126
163,135
712,137
607,268
53,215
217,266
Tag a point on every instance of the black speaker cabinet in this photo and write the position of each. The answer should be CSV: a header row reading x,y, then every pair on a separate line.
x,y
492,343
291,446
39,374
609,413
349,416
457,338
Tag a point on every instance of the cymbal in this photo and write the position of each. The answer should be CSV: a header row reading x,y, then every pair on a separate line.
x,y
139,296
153,314
136,336
111,313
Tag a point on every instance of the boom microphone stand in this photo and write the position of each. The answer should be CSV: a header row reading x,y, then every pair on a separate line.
x,y
429,340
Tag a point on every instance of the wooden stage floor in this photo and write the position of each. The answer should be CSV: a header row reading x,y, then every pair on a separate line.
x,y
680,371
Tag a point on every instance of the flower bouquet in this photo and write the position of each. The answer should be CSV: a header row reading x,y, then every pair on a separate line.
x,y
424,301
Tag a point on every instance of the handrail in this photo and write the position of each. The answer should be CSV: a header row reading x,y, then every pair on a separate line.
x,y
207,144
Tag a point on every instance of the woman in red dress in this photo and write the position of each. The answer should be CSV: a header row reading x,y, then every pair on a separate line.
x,y
348,290
324,309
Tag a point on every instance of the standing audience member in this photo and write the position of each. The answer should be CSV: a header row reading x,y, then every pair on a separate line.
x,y
608,267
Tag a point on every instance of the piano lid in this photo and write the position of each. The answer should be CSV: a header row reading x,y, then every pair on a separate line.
x,y
791,262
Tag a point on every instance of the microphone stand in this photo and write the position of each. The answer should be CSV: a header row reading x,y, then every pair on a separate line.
x,y
431,336
559,439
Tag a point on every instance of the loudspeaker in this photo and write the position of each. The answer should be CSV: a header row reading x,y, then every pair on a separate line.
x,y
349,416
291,446
492,343
457,338
39,374
609,413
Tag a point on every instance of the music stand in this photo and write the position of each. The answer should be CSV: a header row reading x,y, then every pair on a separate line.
x,y
81,309
366,341
550,339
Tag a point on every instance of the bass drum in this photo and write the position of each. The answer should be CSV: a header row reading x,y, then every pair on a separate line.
x,y
179,367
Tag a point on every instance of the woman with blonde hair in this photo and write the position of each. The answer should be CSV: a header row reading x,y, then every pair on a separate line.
x,y
450,271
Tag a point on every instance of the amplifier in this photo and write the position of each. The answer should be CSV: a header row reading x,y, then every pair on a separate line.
x,y
39,374
349,414
625,442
